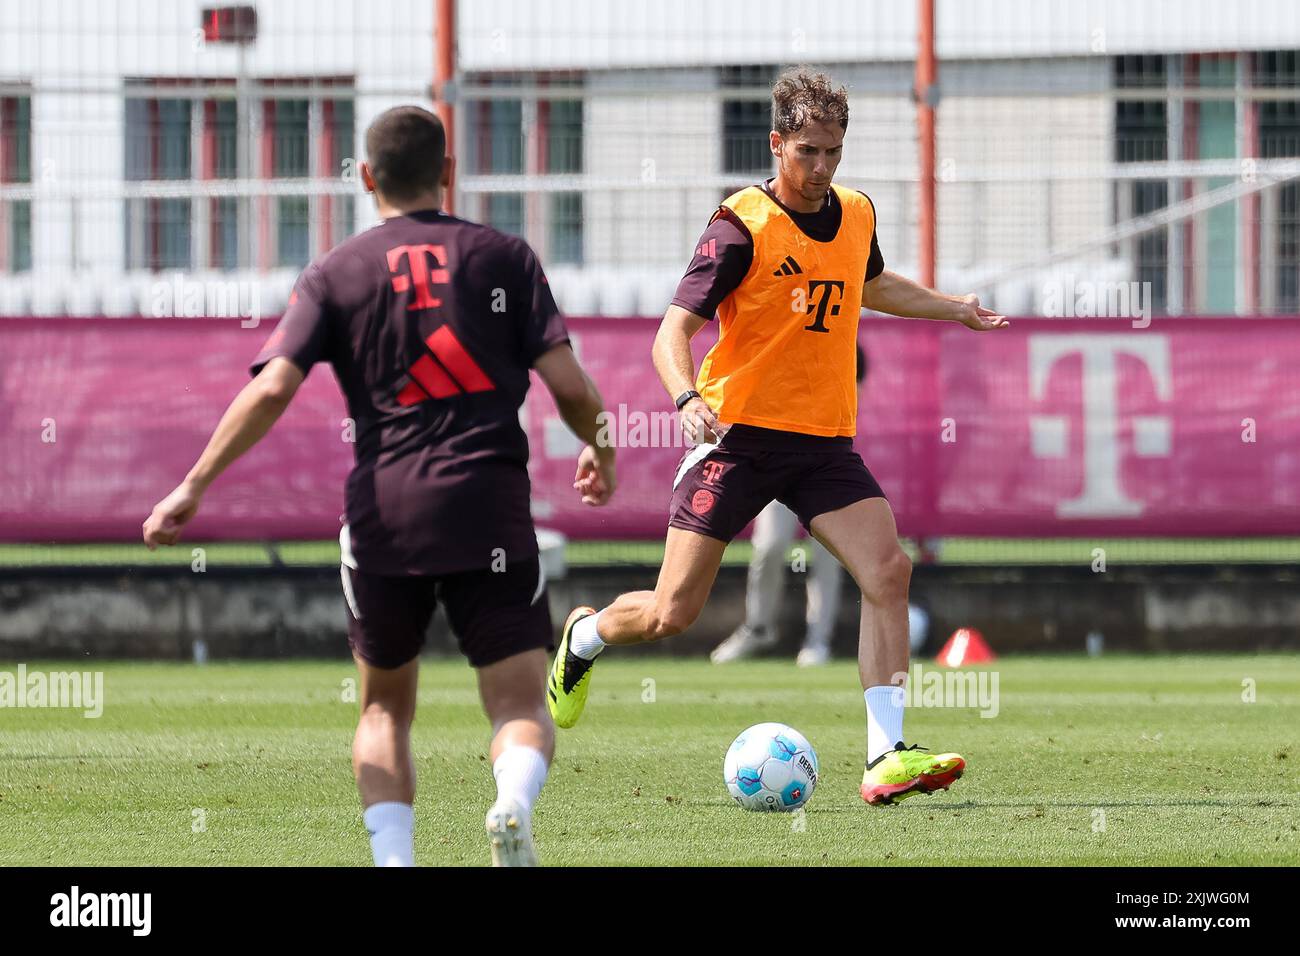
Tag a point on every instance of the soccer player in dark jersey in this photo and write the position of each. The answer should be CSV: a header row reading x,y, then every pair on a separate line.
x,y
787,265
432,324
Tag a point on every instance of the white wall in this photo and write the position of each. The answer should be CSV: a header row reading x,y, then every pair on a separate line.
x,y
76,54
386,44
597,34
671,138
394,37
984,138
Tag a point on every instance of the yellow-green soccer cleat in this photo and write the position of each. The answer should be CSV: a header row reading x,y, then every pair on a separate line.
x,y
904,771
566,687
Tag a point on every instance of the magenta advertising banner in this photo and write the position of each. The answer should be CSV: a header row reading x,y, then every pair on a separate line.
x,y
1054,427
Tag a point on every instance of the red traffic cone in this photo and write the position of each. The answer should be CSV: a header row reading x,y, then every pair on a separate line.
x,y
966,646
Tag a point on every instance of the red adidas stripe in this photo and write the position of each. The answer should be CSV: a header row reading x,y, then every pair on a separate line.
x,y
432,381
458,362
430,378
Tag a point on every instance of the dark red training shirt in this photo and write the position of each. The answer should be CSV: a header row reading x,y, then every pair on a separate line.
x,y
710,279
431,324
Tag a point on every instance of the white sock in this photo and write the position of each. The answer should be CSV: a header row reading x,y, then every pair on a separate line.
x,y
391,840
884,719
585,640
520,773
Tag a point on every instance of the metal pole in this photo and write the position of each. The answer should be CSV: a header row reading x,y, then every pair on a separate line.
x,y
1175,271
1247,134
927,97
444,72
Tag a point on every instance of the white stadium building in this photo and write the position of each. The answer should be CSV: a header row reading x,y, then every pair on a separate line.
x,y
146,142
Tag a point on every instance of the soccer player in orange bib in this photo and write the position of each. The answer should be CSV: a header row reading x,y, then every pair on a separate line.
x,y
787,265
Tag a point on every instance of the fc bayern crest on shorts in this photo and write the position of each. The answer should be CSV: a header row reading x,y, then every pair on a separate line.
x,y
702,502
809,474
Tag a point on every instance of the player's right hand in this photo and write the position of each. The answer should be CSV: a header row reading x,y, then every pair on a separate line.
x,y
595,479
700,424
171,515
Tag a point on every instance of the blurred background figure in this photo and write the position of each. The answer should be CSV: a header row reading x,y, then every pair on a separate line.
x,y
774,531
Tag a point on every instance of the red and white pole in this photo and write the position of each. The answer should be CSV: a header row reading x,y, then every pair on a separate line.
x,y
444,71
927,96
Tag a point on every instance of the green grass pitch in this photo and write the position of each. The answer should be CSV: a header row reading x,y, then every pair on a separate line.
x,y
582,554
1118,760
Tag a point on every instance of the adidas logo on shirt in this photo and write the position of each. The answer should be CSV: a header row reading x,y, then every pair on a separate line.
x,y
788,268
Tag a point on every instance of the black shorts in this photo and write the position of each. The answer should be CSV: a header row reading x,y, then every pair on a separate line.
x,y
718,489
494,614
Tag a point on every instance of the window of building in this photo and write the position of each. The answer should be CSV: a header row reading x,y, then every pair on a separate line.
x,y
496,147
195,139
542,136
15,167
221,161
505,211
564,243
158,228
339,212
747,122
1279,138
561,121
563,124
1142,136
289,140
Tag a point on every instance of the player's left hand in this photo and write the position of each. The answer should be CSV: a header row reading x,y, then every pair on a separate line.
x,y
975,317
171,515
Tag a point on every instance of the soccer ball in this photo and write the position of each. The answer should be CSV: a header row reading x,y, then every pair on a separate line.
x,y
770,767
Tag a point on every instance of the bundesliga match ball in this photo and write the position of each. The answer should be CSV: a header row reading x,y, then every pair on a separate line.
x,y
770,767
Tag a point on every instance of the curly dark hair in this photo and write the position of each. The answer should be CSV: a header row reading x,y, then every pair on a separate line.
x,y
801,96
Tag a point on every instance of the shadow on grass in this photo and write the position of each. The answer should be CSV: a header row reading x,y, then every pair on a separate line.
x,y
913,804
1084,805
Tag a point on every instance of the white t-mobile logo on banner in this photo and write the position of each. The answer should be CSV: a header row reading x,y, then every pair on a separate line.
x,y
1102,496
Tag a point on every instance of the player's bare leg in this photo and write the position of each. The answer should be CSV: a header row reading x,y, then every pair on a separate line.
x,y
381,759
523,743
690,567
864,537
691,563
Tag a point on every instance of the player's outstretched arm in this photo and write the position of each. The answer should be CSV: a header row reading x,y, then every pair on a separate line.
x,y
582,409
250,416
676,368
897,295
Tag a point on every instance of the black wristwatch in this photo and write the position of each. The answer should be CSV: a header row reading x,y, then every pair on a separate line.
x,y
685,397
